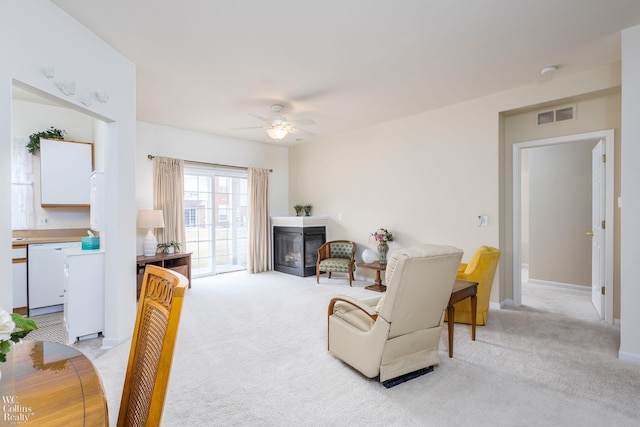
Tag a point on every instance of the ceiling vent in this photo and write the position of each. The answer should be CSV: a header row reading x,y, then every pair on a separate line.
x,y
558,115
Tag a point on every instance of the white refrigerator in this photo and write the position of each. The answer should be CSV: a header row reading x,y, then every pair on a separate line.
x,y
83,293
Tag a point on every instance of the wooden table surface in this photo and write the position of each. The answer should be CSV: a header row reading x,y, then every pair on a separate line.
x,y
50,384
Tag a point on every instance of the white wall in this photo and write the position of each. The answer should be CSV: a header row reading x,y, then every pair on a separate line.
x,y
35,34
593,113
166,141
427,177
560,213
630,226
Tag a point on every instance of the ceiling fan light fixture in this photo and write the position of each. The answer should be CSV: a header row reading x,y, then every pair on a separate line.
x,y
277,132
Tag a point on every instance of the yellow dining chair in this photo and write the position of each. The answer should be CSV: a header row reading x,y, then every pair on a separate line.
x,y
152,344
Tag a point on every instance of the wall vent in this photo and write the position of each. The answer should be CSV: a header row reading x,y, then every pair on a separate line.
x,y
558,115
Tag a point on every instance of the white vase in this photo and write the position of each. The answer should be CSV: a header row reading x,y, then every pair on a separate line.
x,y
171,250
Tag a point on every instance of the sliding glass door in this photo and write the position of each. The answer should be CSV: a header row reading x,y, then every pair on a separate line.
x,y
215,214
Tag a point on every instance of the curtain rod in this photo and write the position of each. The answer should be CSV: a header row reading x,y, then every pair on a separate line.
x,y
151,157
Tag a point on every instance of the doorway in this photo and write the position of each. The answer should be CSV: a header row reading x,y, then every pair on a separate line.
x,y
216,223
518,151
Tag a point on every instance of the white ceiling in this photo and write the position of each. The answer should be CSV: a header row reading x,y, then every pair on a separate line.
x,y
209,65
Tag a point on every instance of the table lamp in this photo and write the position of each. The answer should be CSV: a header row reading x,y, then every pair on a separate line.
x,y
150,219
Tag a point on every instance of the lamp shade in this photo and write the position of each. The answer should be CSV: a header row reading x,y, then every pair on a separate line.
x,y
150,219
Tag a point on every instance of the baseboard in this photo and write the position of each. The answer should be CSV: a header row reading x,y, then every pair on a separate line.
x,y
559,285
108,343
46,310
628,357
500,305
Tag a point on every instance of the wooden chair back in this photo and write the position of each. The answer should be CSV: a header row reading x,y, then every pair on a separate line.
x,y
152,344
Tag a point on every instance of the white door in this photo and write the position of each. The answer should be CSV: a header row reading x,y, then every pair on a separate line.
x,y
598,225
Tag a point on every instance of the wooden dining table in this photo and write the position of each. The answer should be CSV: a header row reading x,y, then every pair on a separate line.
x,y
50,384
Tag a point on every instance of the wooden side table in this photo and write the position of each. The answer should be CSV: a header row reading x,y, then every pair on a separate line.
x,y
377,286
179,261
462,290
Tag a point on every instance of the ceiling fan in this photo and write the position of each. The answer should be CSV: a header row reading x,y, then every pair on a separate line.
x,y
277,126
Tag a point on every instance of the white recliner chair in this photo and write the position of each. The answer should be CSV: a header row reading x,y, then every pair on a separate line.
x,y
396,336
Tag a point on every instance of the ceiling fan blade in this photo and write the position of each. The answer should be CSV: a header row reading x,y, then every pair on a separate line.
x,y
250,127
263,119
297,130
304,122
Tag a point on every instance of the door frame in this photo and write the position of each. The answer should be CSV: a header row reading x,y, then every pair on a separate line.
x,y
598,187
608,136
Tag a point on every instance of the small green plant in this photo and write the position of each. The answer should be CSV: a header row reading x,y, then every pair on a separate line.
x,y
307,209
298,209
164,247
33,146
13,328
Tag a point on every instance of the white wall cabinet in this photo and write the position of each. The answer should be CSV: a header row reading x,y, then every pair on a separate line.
x,y
65,167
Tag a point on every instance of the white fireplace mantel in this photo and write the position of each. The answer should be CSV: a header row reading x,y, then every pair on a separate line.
x,y
299,221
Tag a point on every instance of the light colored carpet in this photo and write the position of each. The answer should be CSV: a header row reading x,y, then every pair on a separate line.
x,y
251,350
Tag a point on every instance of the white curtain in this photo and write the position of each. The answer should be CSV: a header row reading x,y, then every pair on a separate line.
x,y
168,196
22,209
259,258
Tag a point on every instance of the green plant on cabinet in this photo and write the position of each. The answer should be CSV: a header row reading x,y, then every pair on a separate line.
x,y
33,146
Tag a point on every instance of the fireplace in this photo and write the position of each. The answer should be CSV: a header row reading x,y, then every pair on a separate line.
x,y
295,249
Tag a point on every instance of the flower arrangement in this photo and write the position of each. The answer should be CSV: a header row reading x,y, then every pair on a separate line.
x,y
13,327
383,235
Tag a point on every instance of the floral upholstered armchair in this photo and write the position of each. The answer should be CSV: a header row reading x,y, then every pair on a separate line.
x,y
336,256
